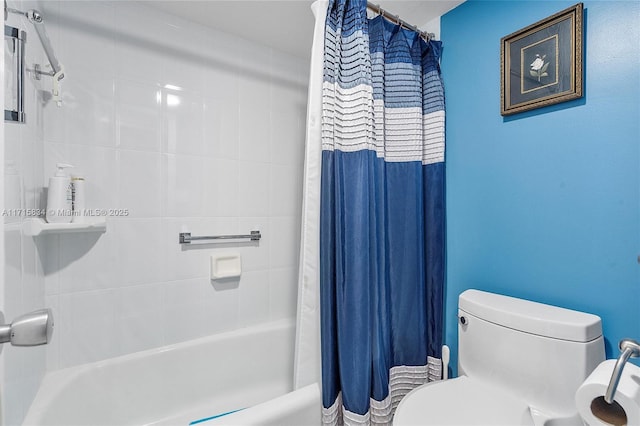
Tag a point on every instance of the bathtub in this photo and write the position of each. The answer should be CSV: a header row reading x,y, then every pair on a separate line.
x,y
200,382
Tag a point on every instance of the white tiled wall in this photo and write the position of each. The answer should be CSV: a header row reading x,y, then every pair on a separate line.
x,y
220,155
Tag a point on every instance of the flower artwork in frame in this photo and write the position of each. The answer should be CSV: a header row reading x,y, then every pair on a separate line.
x,y
542,64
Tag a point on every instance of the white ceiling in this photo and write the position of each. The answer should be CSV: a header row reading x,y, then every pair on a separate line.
x,y
287,24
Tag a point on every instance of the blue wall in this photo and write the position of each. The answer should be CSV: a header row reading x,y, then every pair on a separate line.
x,y
545,205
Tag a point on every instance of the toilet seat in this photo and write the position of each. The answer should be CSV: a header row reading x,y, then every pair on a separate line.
x,y
461,401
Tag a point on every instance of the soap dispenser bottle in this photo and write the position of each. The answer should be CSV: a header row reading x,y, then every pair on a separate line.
x,y
59,197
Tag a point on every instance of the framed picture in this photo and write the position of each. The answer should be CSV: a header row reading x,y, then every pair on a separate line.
x,y
542,64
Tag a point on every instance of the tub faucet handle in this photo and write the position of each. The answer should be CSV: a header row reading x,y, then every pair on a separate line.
x,y
628,349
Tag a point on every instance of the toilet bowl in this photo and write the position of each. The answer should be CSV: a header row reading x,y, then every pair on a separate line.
x,y
520,363
462,401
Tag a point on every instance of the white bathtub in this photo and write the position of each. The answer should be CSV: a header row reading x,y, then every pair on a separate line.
x,y
184,383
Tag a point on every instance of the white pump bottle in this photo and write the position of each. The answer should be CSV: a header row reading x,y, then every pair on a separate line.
x,y
59,197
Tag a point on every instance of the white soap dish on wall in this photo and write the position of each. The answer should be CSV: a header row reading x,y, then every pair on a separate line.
x,y
227,265
38,226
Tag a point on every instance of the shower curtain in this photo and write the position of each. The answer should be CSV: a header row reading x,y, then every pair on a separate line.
x,y
306,366
382,215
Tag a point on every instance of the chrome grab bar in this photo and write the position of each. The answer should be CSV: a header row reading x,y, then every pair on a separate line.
x,y
187,238
19,38
630,348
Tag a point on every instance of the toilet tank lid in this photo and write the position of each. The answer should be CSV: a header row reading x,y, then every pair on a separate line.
x,y
531,317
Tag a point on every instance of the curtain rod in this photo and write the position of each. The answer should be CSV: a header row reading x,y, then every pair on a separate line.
x,y
396,18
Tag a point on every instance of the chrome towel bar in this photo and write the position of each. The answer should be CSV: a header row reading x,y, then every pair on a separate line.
x,y
186,238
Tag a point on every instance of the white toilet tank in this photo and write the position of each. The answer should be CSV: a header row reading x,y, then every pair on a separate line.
x,y
538,352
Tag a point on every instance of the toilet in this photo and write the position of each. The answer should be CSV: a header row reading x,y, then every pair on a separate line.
x,y
519,363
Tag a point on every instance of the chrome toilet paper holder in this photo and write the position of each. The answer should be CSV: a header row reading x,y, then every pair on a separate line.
x,y
629,349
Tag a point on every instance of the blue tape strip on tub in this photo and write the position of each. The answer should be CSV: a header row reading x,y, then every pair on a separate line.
x,y
214,417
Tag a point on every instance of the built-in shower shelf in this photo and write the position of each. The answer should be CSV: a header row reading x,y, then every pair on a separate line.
x,y
35,227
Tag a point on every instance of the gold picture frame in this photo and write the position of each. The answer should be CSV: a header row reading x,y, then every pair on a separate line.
x,y
541,64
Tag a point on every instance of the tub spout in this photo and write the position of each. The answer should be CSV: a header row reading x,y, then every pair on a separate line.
x,y
630,348
31,329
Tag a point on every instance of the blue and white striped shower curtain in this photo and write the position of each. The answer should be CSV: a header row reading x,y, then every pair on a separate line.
x,y
382,215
